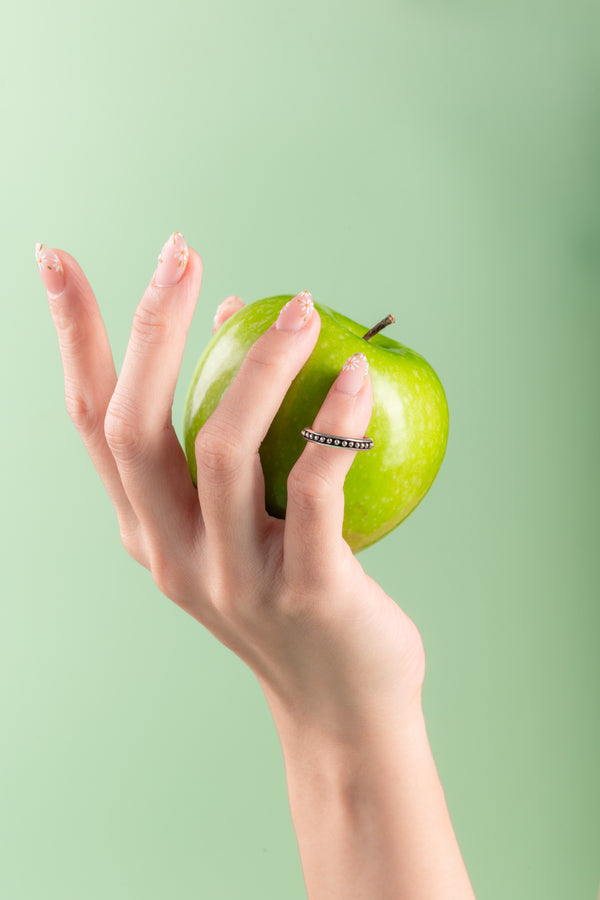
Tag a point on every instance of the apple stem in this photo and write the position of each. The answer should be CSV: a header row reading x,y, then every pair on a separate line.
x,y
389,319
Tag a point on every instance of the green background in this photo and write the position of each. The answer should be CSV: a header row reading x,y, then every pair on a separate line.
x,y
434,160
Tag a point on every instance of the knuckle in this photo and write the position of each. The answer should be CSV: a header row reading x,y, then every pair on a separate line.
x,y
267,355
82,412
132,544
123,437
311,489
222,593
302,594
152,325
219,451
162,575
70,330
170,577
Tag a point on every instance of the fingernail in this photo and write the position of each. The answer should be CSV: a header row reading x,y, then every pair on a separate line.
x,y
296,312
226,308
51,269
172,261
353,374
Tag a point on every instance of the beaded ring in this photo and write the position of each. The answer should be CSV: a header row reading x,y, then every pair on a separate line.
x,y
334,440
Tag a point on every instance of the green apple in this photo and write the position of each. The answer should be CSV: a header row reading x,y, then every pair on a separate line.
x,y
409,420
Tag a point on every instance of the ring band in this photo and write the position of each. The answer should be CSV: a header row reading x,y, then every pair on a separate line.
x,y
334,440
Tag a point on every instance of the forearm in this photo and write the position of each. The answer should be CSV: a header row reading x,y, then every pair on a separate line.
x,y
371,819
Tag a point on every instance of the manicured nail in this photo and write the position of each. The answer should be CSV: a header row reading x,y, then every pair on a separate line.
x,y
172,261
353,374
51,269
296,312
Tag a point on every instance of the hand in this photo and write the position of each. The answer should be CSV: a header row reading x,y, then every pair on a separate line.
x,y
330,648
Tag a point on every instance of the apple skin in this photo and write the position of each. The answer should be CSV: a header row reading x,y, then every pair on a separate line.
x,y
409,420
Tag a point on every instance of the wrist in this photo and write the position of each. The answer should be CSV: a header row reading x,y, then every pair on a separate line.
x,y
337,740
340,697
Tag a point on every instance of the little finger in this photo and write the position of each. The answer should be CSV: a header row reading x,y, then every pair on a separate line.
x,y
313,542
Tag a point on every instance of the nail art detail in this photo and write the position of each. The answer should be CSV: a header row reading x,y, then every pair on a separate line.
x,y
50,268
47,258
296,312
172,260
353,374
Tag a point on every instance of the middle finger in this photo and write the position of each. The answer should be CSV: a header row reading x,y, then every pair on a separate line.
x,y
231,486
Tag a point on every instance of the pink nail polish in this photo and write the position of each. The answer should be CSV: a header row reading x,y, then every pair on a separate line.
x,y
172,261
353,374
51,269
296,312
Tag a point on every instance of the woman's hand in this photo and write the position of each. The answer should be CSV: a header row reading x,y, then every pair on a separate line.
x,y
339,662
332,651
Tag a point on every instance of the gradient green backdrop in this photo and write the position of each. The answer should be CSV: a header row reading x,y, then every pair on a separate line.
x,y
435,160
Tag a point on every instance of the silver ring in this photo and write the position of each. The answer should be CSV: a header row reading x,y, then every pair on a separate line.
x,y
334,440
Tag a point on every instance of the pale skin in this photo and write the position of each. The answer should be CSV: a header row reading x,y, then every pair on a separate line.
x,y
340,664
